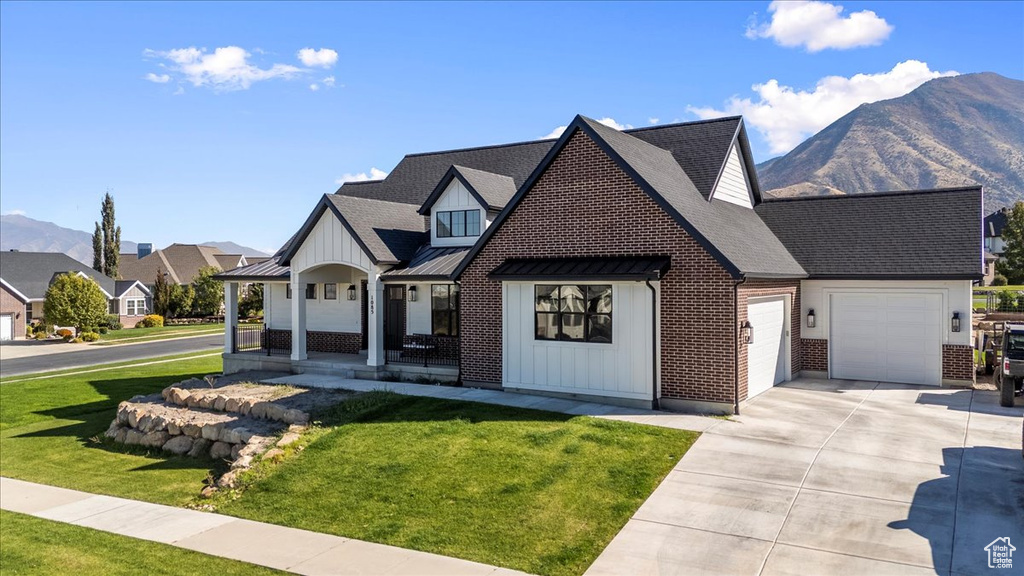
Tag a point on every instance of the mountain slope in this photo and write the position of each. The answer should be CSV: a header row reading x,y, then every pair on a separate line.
x,y
952,131
29,235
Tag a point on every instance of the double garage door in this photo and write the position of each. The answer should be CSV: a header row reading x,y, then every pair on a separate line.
x,y
886,337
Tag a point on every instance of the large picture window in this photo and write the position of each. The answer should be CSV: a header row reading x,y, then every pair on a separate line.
x,y
574,313
444,310
459,223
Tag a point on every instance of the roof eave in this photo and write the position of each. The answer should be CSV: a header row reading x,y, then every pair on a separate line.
x,y
977,276
307,227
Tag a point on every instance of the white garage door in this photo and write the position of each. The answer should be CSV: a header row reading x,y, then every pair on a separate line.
x,y
886,337
766,353
6,327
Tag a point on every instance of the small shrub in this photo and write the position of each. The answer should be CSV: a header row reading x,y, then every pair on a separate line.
x,y
65,333
999,280
29,331
111,322
89,337
102,330
75,340
40,336
150,321
42,328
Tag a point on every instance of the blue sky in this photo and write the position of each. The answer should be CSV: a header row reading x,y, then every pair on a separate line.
x,y
236,144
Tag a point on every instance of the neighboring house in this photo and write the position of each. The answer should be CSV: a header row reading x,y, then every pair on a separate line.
x,y
990,268
25,277
993,226
180,263
640,267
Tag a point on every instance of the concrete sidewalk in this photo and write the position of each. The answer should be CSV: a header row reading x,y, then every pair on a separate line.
x,y
513,399
290,549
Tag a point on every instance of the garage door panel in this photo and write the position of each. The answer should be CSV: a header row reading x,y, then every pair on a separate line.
x,y
6,327
900,340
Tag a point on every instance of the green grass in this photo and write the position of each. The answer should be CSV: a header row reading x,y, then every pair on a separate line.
x,y
100,367
35,546
1018,288
128,334
535,491
48,429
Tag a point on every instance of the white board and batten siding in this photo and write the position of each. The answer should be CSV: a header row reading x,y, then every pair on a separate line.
x,y
329,243
621,369
734,185
455,197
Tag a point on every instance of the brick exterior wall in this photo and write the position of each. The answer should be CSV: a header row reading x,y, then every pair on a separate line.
x,y
957,362
584,205
335,342
9,304
815,353
755,288
130,321
280,340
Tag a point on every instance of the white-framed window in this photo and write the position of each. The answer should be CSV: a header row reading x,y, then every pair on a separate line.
x,y
136,306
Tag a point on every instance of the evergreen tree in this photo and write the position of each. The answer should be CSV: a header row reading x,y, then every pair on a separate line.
x,y
161,295
97,249
1011,264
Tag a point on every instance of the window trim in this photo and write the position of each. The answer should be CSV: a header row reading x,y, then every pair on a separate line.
x,y
335,285
453,309
136,301
559,314
451,223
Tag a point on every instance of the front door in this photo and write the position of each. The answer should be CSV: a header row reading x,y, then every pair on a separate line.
x,y
394,317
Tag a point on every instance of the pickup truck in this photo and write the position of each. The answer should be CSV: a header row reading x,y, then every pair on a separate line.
x,y
1010,375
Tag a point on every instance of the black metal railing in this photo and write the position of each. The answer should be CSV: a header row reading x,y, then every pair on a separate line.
x,y
423,349
251,338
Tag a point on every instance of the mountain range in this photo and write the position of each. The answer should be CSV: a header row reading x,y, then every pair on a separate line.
x,y
950,131
22,233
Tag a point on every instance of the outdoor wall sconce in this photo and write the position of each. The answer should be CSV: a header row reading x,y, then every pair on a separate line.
x,y
956,322
746,332
351,291
412,293
810,318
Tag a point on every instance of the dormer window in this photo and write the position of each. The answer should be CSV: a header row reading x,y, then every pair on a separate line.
x,y
458,223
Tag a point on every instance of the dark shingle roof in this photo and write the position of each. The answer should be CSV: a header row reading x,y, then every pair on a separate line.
x,y
866,235
735,233
417,174
491,190
994,223
122,286
267,269
430,263
391,231
30,273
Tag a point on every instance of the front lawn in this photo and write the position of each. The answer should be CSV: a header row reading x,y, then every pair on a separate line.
x,y
35,546
530,490
129,334
535,491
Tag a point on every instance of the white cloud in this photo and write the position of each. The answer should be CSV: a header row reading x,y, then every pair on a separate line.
x,y
323,58
158,78
610,122
786,116
314,87
328,81
819,26
375,174
653,121
226,68
14,212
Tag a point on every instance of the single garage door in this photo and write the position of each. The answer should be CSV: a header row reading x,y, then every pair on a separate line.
x,y
766,353
6,327
886,337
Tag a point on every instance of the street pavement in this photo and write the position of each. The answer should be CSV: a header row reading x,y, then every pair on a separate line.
x,y
60,356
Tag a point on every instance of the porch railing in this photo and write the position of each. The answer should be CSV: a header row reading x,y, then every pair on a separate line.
x,y
424,349
250,339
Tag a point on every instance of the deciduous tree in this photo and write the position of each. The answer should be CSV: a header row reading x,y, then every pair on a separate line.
x,y
1011,264
75,300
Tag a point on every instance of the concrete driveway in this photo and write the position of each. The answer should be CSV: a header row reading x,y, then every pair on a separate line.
x,y
838,477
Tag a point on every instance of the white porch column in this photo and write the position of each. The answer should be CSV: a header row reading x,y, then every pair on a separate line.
x,y
375,320
230,315
298,316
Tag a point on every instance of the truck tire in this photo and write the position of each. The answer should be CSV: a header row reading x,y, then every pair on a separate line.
x,y
1006,391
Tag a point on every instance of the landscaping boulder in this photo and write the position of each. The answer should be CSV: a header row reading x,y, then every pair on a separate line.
x,y
220,450
179,445
295,416
133,436
228,480
200,448
288,438
155,439
212,432
232,404
274,454
193,430
219,402
274,412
